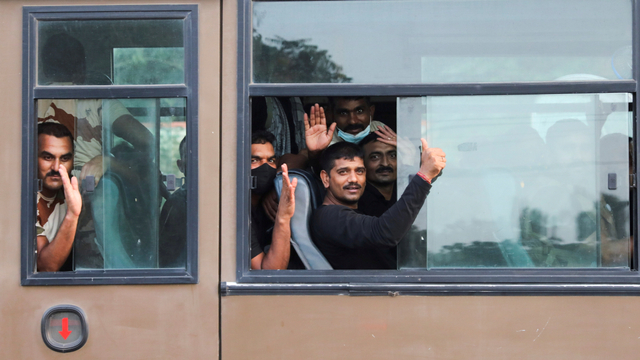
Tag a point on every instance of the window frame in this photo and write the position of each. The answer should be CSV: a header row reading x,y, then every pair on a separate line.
x,y
507,281
476,281
32,91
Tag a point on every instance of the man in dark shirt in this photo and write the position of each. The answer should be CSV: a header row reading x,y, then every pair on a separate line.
x,y
172,249
380,162
263,170
350,240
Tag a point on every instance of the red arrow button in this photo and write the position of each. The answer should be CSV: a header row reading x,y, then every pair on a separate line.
x,y
65,329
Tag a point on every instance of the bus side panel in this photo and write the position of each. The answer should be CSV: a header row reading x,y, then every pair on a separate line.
x,y
436,327
125,322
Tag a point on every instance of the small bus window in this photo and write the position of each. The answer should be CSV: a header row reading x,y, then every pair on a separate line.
x,y
129,160
108,117
116,52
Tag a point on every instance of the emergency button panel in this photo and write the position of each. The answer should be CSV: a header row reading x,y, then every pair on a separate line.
x,y
64,328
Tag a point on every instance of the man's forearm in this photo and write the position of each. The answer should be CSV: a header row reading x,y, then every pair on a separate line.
x,y
353,230
277,258
53,255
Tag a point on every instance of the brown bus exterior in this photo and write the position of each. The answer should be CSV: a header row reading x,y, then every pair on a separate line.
x,y
195,321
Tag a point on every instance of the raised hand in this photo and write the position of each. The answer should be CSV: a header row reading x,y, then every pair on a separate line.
x,y
315,127
287,205
387,136
433,160
406,150
73,199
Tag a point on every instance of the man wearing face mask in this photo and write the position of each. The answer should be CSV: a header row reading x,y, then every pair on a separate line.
x,y
352,122
353,117
264,232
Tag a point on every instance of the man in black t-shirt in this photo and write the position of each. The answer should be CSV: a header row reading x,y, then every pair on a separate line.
x,y
350,240
380,162
263,172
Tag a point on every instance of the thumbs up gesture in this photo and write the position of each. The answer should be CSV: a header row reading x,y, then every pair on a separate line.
x,y
433,160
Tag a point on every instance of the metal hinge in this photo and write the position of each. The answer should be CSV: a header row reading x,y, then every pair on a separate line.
x,y
632,181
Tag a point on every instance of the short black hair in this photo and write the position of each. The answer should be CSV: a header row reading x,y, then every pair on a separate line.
x,y
334,99
262,137
63,59
55,129
341,150
369,138
183,148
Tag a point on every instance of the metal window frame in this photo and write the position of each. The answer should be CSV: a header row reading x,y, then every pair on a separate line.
x,y
31,92
416,282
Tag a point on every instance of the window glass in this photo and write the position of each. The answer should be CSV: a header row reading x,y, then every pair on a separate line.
x,y
382,42
110,52
148,66
530,181
130,158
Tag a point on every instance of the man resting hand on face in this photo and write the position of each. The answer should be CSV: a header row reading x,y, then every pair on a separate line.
x,y
59,202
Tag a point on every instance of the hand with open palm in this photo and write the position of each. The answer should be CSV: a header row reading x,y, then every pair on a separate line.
x,y
317,135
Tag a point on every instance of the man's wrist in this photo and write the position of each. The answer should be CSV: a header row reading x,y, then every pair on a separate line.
x,y
424,177
283,219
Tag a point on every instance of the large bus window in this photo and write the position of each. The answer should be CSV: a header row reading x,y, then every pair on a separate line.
x,y
408,42
530,181
125,207
528,107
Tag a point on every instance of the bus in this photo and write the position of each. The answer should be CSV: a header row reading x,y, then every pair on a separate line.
x,y
524,248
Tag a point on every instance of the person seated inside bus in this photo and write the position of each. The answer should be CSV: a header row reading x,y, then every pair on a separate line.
x,y
63,63
352,117
172,246
351,120
59,201
270,247
380,161
349,239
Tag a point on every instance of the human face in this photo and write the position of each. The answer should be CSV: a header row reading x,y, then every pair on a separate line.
x,y
380,161
352,116
346,182
53,152
262,154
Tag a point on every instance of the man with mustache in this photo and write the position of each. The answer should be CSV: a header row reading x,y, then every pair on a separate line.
x,y
349,239
352,122
353,117
59,202
380,162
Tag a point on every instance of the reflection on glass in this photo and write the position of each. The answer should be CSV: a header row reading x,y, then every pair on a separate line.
x,y
110,52
531,181
133,66
440,41
130,160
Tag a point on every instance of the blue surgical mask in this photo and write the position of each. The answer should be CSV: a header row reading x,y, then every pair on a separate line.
x,y
354,139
